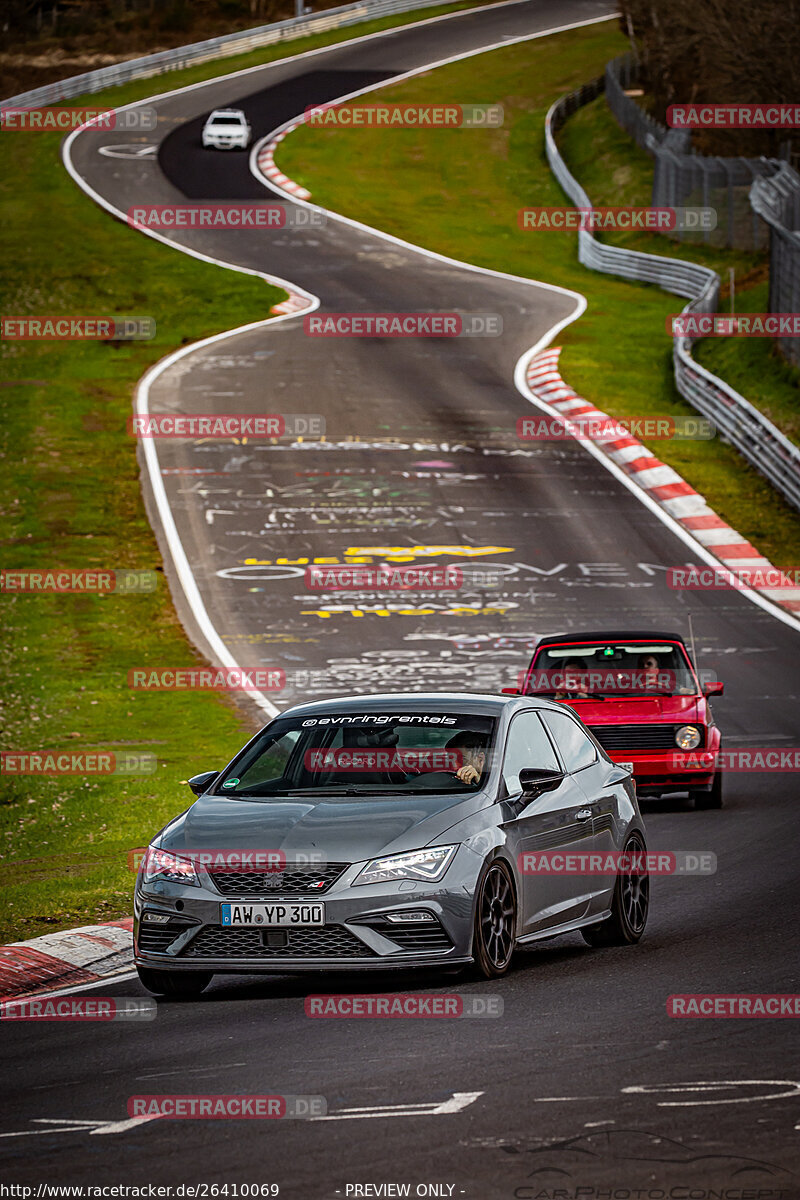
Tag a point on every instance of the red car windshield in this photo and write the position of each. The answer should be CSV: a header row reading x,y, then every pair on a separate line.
x,y
583,671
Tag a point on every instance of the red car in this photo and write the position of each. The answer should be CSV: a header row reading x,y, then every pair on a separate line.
x,y
641,697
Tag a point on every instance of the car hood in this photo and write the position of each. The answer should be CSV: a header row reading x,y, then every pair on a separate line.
x,y
635,710
340,828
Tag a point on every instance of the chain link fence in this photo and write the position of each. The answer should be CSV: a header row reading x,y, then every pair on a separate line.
x,y
777,200
737,420
684,177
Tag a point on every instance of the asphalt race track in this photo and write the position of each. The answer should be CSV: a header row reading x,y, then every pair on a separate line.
x,y
584,1080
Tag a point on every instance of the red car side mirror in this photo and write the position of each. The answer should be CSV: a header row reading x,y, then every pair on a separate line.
x,y
511,691
714,688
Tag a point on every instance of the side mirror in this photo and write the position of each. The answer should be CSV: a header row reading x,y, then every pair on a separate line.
x,y
714,688
199,783
535,781
510,691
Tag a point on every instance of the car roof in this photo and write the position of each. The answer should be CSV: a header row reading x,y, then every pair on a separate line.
x,y
226,112
468,702
611,635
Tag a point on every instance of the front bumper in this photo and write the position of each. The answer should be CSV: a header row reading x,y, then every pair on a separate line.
x,y
224,143
670,770
355,937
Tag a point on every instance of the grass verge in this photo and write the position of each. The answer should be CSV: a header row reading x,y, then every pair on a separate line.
x,y
461,193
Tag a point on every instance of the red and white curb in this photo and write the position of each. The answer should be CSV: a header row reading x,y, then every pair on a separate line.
x,y
295,303
662,483
266,165
70,957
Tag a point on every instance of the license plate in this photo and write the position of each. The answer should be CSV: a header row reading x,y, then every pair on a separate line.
x,y
277,915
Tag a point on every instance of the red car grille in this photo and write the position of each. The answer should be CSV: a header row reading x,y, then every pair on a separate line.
x,y
619,739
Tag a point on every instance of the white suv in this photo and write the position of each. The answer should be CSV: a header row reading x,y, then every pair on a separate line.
x,y
226,129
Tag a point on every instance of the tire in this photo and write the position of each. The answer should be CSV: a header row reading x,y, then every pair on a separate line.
x,y
177,985
629,906
495,931
712,798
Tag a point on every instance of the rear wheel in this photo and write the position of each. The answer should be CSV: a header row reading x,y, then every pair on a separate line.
x,y
712,798
178,985
495,922
629,906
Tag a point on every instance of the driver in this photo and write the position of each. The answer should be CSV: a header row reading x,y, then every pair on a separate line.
x,y
569,689
649,664
473,754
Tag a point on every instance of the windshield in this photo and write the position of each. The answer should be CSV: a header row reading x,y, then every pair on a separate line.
x,y
579,672
363,753
218,119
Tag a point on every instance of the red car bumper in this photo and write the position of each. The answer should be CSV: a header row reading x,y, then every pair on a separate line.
x,y
670,769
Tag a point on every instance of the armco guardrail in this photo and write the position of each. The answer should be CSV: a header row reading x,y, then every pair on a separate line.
x,y
756,438
219,47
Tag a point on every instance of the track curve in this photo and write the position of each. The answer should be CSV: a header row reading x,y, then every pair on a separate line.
x,y
420,451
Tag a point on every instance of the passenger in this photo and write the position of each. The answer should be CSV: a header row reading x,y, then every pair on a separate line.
x,y
570,690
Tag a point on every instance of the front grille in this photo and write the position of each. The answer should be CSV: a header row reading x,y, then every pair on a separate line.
x,y
622,738
155,939
293,881
329,941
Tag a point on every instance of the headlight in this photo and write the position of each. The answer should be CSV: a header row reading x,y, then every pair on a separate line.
x,y
426,865
159,864
688,737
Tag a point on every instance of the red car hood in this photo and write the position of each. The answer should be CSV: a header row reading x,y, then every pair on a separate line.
x,y
635,710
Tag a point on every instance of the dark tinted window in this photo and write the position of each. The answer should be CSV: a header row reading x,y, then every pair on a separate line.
x,y
362,751
577,748
527,747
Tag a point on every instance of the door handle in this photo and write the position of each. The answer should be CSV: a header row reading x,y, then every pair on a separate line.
x,y
583,814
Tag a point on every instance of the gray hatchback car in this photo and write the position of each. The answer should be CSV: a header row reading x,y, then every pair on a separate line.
x,y
386,831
